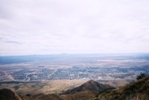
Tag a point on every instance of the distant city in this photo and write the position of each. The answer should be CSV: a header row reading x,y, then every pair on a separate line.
x,y
73,66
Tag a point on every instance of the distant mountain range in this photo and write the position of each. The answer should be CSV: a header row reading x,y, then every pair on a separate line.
x,y
69,57
91,90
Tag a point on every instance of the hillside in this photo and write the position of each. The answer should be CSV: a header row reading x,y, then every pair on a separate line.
x,y
7,94
41,97
84,95
91,90
89,86
138,90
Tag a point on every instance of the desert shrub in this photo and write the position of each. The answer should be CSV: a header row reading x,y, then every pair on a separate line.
x,y
140,76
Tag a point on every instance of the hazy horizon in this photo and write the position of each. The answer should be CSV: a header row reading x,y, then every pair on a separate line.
x,y
83,54
73,27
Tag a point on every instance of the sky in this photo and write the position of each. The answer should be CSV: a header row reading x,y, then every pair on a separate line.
x,y
30,27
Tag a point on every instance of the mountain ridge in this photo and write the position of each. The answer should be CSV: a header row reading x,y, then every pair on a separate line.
x,y
137,90
90,85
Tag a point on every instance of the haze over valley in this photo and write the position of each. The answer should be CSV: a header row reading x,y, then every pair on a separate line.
x,y
70,67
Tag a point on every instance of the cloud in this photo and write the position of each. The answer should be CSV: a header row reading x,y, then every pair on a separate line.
x,y
63,26
13,42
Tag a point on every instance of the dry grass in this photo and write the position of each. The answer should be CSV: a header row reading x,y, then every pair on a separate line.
x,y
46,87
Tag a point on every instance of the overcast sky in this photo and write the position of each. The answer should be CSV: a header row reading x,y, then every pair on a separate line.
x,y
73,26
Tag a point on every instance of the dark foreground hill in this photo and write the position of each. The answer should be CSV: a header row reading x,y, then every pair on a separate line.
x,y
138,90
6,94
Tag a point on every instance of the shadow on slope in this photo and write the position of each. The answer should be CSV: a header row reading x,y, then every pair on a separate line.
x,y
138,90
7,94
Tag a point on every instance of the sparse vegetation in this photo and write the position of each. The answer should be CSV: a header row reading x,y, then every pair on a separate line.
x,y
140,76
138,90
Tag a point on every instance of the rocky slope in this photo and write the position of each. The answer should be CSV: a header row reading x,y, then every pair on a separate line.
x,y
138,90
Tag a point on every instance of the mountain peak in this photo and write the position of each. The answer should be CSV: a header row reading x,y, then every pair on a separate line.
x,y
91,81
90,85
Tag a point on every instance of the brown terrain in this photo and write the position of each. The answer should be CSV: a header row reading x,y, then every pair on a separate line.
x,y
89,86
91,90
138,90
